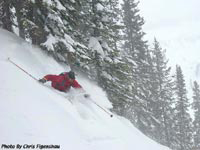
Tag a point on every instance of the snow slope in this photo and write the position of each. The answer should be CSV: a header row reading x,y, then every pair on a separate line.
x,y
34,114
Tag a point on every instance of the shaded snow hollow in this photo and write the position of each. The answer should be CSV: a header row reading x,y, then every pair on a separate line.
x,y
34,114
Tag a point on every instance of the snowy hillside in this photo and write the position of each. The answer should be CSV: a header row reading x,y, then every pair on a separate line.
x,y
33,115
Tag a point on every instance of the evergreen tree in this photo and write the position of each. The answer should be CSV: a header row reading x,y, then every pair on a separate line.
x,y
135,51
196,122
116,74
107,66
28,21
182,117
58,20
100,32
21,17
6,15
161,98
133,34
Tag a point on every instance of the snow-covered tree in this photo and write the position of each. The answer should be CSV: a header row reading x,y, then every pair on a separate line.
x,y
196,122
6,15
182,117
161,97
98,28
58,20
29,22
135,51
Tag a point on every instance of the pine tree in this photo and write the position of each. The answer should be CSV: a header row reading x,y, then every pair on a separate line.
x,y
21,17
6,15
27,19
135,51
161,98
133,34
196,122
182,117
98,29
116,74
107,66
57,21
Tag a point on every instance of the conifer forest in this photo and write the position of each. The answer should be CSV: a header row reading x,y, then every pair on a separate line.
x,y
104,40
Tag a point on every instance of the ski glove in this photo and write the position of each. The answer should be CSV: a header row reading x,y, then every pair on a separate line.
x,y
42,80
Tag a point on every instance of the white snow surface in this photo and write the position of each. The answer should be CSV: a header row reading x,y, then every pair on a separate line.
x,y
33,114
96,46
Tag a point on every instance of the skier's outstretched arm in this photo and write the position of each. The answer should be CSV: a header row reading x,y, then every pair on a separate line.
x,y
47,78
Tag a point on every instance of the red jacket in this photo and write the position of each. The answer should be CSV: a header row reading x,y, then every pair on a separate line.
x,y
62,82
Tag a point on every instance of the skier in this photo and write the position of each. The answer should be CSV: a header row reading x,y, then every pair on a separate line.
x,y
63,81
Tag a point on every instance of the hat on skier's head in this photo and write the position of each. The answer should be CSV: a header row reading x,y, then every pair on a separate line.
x,y
71,75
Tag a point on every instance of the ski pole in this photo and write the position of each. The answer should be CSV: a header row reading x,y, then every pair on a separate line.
x,y
21,69
111,115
